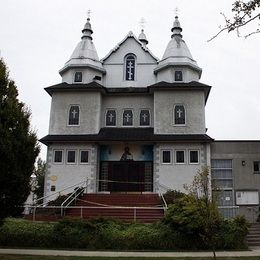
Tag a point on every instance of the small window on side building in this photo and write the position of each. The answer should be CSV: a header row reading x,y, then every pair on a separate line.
x,y
166,156
84,156
111,118
179,157
58,156
144,118
71,156
128,117
194,156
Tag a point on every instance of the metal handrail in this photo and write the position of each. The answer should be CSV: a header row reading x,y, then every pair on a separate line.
x,y
73,196
57,192
161,195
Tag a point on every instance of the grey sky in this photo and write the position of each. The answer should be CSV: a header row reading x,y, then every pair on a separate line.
x,y
38,36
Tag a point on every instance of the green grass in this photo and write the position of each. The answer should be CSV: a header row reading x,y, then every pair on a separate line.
x,y
24,257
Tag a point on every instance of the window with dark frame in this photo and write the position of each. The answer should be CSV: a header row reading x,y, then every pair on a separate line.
x,y
58,156
194,156
257,167
71,156
166,156
128,117
130,67
179,115
74,115
144,118
83,156
179,156
78,76
111,118
178,75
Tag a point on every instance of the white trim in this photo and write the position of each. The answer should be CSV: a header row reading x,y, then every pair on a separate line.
x,y
175,156
71,150
68,115
194,150
161,156
84,150
105,119
62,156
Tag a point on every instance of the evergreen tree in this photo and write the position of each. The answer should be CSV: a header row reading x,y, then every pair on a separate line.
x,y
39,173
18,148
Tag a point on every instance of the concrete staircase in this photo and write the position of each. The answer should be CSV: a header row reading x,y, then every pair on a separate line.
x,y
144,208
253,238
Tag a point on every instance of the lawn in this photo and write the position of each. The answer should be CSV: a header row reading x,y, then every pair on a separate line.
x,y
24,257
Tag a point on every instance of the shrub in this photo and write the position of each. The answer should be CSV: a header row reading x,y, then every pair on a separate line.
x,y
172,195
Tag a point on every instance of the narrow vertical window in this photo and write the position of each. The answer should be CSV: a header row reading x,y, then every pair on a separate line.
x,y
179,115
256,167
130,67
83,156
58,156
111,118
179,157
78,76
194,156
178,75
128,117
74,115
166,156
144,118
71,157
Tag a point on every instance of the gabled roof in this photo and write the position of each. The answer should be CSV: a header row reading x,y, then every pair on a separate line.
x,y
127,134
130,35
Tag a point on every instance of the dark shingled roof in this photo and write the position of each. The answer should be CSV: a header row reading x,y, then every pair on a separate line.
x,y
126,135
94,86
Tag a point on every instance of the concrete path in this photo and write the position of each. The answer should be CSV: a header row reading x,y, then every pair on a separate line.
x,y
254,252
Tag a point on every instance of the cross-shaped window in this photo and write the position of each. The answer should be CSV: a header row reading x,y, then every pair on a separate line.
x,y
128,117
130,67
78,76
111,118
179,115
144,118
74,115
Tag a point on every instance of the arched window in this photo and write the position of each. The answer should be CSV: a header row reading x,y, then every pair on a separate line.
x,y
74,115
78,76
179,115
178,75
130,67
144,117
111,118
128,117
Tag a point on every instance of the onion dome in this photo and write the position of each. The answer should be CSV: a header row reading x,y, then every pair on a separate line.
x,y
142,37
85,54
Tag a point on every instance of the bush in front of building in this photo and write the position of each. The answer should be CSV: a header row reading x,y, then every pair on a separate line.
x,y
108,234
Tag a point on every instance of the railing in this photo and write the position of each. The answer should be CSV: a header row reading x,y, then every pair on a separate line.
x,y
55,193
73,196
159,186
134,210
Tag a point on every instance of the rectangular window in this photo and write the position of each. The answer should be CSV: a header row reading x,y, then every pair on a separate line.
x,y
256,167
194,156
58,156
71,157
180,157
83,156
166,156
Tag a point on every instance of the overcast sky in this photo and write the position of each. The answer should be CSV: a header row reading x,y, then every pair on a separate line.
x,y
38,36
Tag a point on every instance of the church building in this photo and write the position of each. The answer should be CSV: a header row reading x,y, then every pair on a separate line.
x,y
132,122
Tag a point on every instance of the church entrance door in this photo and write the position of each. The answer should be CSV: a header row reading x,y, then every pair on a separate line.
x,y
126,176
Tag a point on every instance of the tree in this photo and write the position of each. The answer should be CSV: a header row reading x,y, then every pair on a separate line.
x,y
39,173
18,147
197,214
244,13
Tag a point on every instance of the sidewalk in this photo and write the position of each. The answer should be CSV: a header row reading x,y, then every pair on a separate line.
x,y
253,252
